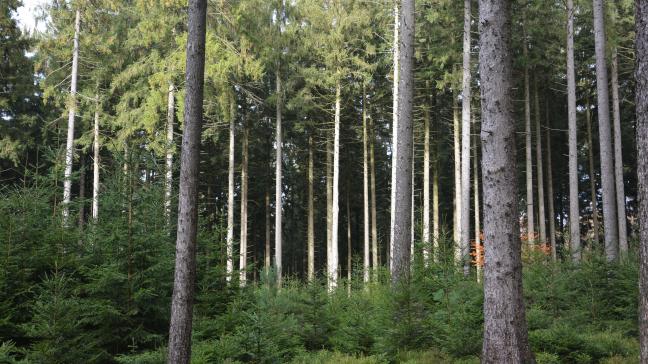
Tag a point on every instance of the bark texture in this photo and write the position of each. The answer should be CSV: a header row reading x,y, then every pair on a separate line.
x,y
530,208
618,158
542,218
610,222
505,329
592,173
311,213
365,190
465,144
427,244
641,102
278,185
179,349
402,189
230,193
168,178
374,228
243,251
333,258
395,129
96,162
574,210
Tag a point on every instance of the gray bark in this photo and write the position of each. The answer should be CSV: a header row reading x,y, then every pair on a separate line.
x,y
168,178
395,130
592,172
95,162
329,197
542,218
426,182
268,249
476,207
333,258
505,329
641,103
550,197
402,189
574,210
243,251
278,186
610,222
230,193
179,348
374,228
365,189
530,208
465,144
72,105
456,214
311,213
618,159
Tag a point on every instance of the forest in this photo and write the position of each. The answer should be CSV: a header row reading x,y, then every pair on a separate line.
x,y
324,181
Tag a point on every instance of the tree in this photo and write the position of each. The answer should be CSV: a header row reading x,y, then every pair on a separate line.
x,y
72,105
618,157
278,182
95,162
530,207
574,211
402,189
465,143
641,104
542,219
505,330
179,349
243,250
168,178
365,189
231,117
610,222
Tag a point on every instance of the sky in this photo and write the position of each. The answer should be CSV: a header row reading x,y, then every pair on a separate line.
x,y
26,15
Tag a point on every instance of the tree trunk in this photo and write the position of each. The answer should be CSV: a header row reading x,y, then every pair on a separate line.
x,y
465,144
550,195
278,186
365,189
505,329
95,163
412,205
456,228
72,105
530,211
436,225
426,181
478,259
179,348
542,218
311,213
333,260
349,244
230,193
268,250
401,190
641,103
610,222
82,174
618,160
329,197
243,251
374,228
168,179
574,210
395,117
592,172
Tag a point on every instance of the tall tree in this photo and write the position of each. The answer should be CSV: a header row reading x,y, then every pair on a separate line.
x,y
505,329
374,218
168,178
641,104
72,106
618,157
231,117
95,162
542,218
592,172
395,130
311,212
426,180
401,219
278,181
243,248
179,349
365,189
465,143
530,207
610,222
333,258
574,211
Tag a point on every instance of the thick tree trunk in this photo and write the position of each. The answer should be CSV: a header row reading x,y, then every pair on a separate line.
x,y
574,210
542,218
243,250
374,227
592,172
610,222
333,260
365,189
505,329
230,193
618,159
72,105
311,213
550,195
427,244
95,163
168,179
530,207
465,144
401,219
641,102
179,349
395,130
278,186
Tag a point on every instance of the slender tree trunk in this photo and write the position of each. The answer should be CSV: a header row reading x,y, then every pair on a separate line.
x,y
333,260
574,210
179,348
349,245
592,172
456,228
395,130
230,193
478,259
529,154
412,205
311,213
436,224
550,195
465,143
542,218
641,103
168,179
329,198
95,163
426,182
505,329
72,105
365,188
278,185
268,250
82,174
618,159
610,222
401,220
374,227
243,253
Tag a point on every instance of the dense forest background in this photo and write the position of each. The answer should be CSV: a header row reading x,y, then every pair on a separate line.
x,y
87,229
